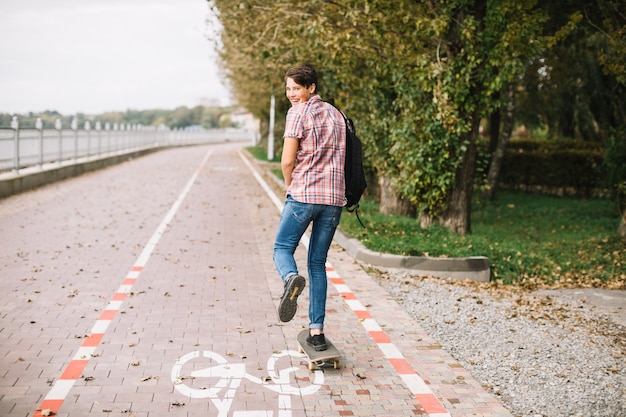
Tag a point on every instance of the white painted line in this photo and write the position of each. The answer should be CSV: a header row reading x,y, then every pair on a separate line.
x,y
100,327
60,390
355,305
390,351
416,384
341,287
371,325
125,289
114,305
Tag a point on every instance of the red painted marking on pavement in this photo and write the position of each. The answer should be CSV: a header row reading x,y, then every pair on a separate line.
x,y
107,315
362,314
118,296
93,340
402,366
379,337
53,405
74,369
430,403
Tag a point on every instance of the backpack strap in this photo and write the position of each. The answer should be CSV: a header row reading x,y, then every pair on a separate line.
x,y
355,210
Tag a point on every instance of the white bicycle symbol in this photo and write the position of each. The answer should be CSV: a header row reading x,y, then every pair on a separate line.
x,y
230,376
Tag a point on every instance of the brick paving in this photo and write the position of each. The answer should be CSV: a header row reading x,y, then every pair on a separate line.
x,y
123,319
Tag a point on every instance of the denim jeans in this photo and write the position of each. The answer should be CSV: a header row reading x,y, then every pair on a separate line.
x,y
294,220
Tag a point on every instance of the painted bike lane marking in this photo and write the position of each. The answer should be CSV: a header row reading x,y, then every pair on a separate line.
x,y
416,385
72,372
224,379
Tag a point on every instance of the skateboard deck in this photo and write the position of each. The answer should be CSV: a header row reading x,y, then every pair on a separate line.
x,y
324,358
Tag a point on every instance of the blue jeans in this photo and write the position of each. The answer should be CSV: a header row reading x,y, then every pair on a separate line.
x,y
294,220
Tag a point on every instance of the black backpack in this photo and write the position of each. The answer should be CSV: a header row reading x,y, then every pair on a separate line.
x,y
354,173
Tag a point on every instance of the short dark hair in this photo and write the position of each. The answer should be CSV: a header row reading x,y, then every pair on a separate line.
x,y
303,74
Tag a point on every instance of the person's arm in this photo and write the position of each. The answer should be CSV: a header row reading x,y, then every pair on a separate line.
x,y
288,159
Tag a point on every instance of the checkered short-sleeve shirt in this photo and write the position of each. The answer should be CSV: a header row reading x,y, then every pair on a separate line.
x,y
318,177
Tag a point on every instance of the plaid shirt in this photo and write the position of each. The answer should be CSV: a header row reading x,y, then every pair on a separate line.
x,y
318,177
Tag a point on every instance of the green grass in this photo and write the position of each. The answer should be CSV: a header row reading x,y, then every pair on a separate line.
x,y
531,240
260,154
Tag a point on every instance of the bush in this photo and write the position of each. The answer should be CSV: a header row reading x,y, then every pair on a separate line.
x,y
562,167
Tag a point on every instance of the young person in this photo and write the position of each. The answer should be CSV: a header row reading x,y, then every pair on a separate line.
x,y
312,163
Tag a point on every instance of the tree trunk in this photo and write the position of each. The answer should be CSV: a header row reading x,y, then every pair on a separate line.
x,y
503,142
391,202
457,217
373,188
494,127
621,230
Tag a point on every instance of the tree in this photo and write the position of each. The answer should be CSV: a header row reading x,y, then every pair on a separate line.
x,y
417,78
613,60
478,47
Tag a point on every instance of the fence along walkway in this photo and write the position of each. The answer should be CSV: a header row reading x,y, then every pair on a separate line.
x,y
28,148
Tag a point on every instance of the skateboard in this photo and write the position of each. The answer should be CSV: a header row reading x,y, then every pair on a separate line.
x,y
323,359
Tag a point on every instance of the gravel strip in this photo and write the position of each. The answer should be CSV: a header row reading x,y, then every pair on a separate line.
x,y
540,356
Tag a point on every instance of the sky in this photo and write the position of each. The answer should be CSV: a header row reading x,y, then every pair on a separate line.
x,y
94,56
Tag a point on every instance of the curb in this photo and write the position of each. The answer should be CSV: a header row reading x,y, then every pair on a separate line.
x,y
475,268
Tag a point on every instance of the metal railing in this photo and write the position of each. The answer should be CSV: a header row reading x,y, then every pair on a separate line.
x,y
22,148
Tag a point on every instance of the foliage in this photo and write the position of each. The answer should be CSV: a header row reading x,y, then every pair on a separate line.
x,y
577,89
613,55
418,77
415,77
565,166
530,240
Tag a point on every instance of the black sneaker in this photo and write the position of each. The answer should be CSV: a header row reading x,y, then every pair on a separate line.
x,y
289,301
317,342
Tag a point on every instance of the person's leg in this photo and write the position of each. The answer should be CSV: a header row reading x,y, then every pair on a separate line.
x,y
294,220
324,226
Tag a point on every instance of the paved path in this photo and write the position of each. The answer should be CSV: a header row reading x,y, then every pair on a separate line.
x,y
148,289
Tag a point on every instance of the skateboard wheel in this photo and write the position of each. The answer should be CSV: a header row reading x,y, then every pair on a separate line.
x,y
336,364
311,366
300,350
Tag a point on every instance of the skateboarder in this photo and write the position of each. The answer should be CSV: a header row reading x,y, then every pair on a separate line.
x,y
312,163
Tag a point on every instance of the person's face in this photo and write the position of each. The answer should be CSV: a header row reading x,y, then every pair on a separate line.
x,y
297,93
